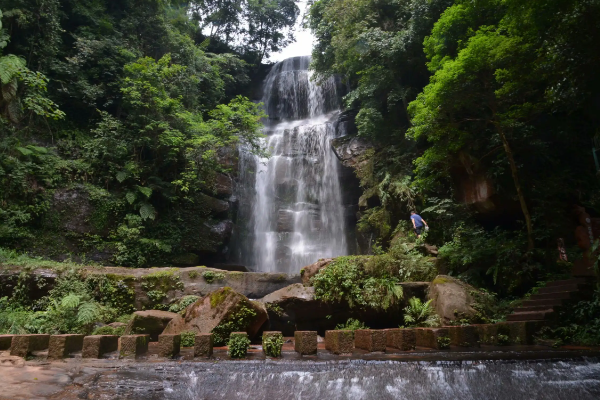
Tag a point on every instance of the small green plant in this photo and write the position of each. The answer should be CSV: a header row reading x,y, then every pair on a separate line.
x,y
443,342
421,314
180,305
351,325
211,276
238,346
193,274
272,344
109,330
503,340
275,309
188,339
237,321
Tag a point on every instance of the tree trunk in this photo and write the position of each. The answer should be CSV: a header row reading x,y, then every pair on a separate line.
x,y
515,175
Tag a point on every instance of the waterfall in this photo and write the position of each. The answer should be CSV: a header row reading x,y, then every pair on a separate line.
x,y
291,211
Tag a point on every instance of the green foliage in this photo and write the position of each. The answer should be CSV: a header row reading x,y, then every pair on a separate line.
x,y
578,323
351,325
211,276
238,346
443,342
188,338
346,280
109,330
183,303
419,314
272,345
135,102
70,307
237,321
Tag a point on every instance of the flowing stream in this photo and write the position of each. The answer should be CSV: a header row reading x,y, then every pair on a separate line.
x,y
291,212
355,379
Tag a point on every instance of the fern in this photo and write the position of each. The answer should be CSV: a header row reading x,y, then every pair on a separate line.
x,y
418,313
89,312
10,66
70,301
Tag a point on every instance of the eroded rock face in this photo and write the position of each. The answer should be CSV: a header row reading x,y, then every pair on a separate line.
x,y
151,322
74,208
311,270
451,296
224,306
350,149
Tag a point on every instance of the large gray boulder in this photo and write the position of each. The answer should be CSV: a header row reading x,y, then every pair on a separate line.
x,y
452,298
221,312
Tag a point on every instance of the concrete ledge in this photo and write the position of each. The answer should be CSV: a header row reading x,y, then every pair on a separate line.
x,y
60,346
97,345
463,336
402,339
169,345
339,341
23,345
305,342
488,333
5,341
431,337
370,340
203,346
132,346
521,332
272,334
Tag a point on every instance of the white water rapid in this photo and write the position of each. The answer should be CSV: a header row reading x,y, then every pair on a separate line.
x,y
291,212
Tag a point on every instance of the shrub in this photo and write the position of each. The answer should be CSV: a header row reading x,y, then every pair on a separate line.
x,y
420,314
188,338
351,325
272,344
210,276
109,330
238,346
180,305
345,279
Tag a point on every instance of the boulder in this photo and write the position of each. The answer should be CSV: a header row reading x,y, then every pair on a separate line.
x,y
220,313
311,270
451,297
151,322
295,308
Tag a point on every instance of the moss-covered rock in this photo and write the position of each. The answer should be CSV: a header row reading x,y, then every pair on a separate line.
x,y
221,312
452,298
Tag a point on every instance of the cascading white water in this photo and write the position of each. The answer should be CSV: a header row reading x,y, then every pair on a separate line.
x,y
295,215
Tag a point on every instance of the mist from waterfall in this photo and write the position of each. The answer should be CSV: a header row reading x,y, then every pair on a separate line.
x,y
291,211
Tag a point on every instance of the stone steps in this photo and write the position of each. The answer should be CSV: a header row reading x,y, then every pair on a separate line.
x,y
542,305
543,302
530,315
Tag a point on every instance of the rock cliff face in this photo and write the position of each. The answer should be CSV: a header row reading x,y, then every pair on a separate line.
x,y
81,221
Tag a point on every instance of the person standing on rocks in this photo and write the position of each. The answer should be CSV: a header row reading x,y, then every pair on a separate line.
x,y
418,223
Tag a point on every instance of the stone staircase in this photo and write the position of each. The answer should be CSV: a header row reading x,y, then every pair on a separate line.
x,y
543,305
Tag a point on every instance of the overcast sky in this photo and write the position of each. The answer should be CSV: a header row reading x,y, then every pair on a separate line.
x,y
304,40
